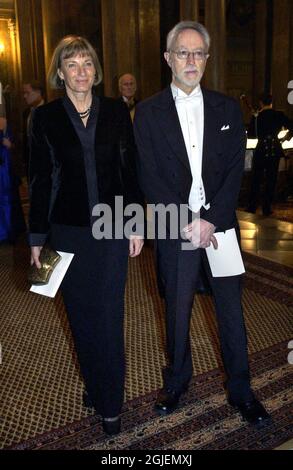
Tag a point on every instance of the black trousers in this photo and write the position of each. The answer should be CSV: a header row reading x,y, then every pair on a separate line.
x,y
181,270
263,167
93,293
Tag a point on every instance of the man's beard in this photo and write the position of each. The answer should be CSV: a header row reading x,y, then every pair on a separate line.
x,y
188,83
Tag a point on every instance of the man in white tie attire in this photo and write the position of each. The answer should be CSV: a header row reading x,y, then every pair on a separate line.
x,y
191,145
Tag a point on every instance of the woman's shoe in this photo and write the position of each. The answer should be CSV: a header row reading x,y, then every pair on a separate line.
x,y
112,426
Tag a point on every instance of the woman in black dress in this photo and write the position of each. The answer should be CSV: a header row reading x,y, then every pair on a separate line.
x,y
83,153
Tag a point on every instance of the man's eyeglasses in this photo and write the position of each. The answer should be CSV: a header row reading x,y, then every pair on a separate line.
x,y
196,55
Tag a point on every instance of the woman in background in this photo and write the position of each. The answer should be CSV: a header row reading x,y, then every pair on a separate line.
x,y
11,216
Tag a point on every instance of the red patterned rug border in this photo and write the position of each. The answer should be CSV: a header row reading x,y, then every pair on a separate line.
x,y
200,387
273,292
269,264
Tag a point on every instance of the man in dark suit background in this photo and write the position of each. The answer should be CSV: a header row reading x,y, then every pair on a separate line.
x,y
34,96
191,145
127,88
265,126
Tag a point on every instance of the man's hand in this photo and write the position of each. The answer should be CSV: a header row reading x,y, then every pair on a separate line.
x,y
35,254
135,245
207,234
201,233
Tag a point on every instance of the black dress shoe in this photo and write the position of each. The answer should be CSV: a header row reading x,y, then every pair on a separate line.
x,y
112,427
167,401
252,411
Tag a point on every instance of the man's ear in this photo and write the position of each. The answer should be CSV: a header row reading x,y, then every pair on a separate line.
x,y
167,58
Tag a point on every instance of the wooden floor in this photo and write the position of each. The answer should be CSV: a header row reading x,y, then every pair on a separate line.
x,y
267,237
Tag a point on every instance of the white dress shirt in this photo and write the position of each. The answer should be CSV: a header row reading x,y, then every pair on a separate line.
x,y
191,117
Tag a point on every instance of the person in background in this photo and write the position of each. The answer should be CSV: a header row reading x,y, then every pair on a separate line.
x,y
2,103
12,221
265,126
83,154
34,96
127,89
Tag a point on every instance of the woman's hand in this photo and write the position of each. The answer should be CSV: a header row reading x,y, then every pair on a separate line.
x,y
35,254
135,245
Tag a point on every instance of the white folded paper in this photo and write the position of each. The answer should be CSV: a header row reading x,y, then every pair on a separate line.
x,y
226,260
57,275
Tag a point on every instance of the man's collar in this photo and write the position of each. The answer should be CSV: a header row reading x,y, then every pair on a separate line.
x,y
127,100
40,103
180,95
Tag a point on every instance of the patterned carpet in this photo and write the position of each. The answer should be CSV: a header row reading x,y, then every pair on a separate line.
x,y
41,389
204,421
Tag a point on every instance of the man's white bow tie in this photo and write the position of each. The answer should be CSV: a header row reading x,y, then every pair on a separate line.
x,y
192,97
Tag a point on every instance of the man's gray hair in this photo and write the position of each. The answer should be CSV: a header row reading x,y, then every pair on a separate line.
x,y
179,27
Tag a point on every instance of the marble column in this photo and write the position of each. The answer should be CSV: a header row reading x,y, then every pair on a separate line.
x,y
189,10
131,43
260,49
149,47
15,53
28,54
30,38
64,17
15,91
120,42
282,15
215,22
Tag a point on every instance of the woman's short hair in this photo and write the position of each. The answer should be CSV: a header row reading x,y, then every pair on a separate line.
x,y
68,47
182,26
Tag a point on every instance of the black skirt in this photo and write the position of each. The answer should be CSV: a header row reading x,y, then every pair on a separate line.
x,y
93,292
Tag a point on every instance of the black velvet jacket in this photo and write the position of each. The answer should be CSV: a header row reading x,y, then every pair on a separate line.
x,y
58,187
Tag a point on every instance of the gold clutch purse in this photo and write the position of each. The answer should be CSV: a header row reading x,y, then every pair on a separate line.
x,y
49,258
